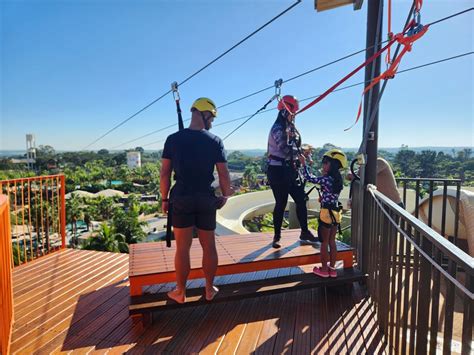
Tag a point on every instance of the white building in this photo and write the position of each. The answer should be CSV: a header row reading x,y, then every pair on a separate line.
x,y
30,151
134,160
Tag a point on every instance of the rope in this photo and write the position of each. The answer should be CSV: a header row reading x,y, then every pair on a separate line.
x,y
365,134
371,189
195,73
250,117
296,77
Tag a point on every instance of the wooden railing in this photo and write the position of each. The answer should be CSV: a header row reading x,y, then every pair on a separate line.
x,y
37,215
420,283
6,288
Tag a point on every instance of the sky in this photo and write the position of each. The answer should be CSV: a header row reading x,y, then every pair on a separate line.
x,y
72,70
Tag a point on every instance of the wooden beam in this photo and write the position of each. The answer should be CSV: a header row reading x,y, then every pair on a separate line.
x,y
322,5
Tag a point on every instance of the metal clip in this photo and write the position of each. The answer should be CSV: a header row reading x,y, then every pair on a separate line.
x,y
278,84
174,89
417,17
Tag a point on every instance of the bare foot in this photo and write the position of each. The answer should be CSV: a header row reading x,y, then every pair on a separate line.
x,y
177,295
211,293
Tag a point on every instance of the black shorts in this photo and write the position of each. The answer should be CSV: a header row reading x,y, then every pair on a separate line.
x,y
196,210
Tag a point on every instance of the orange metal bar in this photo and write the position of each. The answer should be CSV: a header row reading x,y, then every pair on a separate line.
x,y
43,192
41,215
6,266
46,188
16,223
63,210
35,178
36,218
23,219
30,226
55,198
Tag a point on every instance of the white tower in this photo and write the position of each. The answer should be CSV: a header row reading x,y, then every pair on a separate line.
x,y
134,160
30,151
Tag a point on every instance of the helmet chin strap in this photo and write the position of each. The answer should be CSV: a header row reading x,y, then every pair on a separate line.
x,y
205,121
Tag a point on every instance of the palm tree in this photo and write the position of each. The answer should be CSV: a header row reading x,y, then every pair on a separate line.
x,y
106,239
250,176
127,223
73,213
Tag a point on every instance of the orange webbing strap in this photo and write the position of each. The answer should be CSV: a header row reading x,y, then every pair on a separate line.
x,y
418,4
407,42
332,88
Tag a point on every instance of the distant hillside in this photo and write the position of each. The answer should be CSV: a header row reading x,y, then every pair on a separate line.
x,y
446,150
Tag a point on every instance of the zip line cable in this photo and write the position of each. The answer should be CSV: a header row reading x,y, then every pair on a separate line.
x,y
196,73
335,61
285,81
338,89
348,87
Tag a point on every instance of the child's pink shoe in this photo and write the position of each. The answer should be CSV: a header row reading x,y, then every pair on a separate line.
x,y
320,272
332,272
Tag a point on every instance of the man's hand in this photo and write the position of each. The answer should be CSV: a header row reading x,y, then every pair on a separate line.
x,y
164,206
302,159
221,201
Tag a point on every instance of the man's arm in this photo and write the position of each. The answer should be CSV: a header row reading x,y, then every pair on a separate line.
x,y
224,179
165,182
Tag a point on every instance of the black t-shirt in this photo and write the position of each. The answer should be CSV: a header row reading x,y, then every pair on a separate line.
x,y
193,155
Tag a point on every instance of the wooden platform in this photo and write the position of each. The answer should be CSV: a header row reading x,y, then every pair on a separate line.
x,y
249,289
153,263
76,302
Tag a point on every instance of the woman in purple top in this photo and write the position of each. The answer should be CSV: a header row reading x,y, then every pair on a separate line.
x,y
284,142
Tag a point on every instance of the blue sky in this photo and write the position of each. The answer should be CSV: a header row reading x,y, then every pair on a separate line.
x,y
71,70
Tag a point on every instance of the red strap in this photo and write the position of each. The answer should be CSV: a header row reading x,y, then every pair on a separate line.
x,y
407,42
332,88
418,4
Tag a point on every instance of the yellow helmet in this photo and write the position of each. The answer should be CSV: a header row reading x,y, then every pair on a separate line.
x,y
205,104
339,155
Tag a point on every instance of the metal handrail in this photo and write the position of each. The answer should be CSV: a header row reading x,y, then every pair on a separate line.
x,y
39,207
406,264
452,251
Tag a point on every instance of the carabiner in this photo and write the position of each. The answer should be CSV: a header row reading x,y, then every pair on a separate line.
x,y
174,89
278,84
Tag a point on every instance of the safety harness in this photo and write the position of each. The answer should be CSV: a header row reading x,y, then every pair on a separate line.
x,y
169,218
334,213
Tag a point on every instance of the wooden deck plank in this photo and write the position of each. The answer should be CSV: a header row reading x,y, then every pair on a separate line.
x,y
94,319
248,289
58,298
212,319
156,258
60,282
187,331
49,270
302,330
319,323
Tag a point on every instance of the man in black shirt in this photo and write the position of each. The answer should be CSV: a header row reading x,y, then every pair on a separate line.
x,y
192,154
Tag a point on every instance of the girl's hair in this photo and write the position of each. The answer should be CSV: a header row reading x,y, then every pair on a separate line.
x,y
281,119
334,166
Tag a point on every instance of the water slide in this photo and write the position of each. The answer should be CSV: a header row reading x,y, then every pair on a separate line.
x,y
238,208
466,214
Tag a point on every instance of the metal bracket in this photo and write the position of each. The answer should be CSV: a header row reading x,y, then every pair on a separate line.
x,y
371,136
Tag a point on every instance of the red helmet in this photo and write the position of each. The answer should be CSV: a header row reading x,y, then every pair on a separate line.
x,y
290,102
